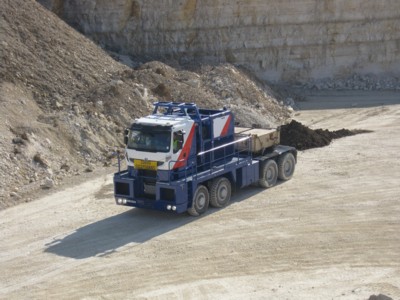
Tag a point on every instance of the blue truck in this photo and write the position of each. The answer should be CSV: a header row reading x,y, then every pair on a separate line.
x,y
182,158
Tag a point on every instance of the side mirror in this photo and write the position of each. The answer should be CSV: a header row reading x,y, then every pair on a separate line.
x,y
180,135
126,133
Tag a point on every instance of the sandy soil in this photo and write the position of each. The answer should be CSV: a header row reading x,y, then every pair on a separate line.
x,y
332,232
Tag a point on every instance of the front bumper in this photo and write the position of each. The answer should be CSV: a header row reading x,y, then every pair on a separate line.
x,y
166,196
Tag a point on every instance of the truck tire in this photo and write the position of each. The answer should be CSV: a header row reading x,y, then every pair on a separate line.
x,y
268,174
220,192
201,200
286,166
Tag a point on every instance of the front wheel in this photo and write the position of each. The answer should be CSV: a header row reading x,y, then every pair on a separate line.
x,y
201,200
268,174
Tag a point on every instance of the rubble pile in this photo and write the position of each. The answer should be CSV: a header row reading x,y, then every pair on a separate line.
x,y
252,102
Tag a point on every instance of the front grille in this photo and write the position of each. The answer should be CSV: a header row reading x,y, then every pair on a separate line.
x,y
150,189
148,173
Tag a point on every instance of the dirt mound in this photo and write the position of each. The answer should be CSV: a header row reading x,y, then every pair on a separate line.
x,y
302,137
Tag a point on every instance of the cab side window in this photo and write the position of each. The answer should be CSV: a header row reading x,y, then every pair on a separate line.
x,y
177,141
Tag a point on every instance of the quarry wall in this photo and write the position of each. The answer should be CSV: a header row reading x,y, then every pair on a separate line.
x,y
286,40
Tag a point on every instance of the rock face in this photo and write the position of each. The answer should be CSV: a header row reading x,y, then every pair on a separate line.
x,y
288,40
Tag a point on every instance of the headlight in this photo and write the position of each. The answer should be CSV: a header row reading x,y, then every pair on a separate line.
x,y
169,207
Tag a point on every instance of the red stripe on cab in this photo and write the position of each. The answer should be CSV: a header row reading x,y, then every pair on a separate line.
x,y
186,150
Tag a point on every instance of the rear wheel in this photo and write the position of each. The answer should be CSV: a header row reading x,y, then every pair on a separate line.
x,y
269,174
201,200
286,166
220,192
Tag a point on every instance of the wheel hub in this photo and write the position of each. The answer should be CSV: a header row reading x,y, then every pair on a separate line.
x,y
201,200
223,192
287,167
270,174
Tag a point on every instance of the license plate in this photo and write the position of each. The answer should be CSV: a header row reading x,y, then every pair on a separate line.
x,y
145,164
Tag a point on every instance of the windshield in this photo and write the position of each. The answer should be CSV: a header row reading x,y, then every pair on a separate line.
x,y
149,141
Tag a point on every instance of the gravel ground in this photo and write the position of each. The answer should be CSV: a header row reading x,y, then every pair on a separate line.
x,y
329,233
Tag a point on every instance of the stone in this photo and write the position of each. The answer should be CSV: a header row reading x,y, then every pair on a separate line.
x,y
75,108
25,136
66,167
15,195
58,105
18,141
48,183
89,169
39,159
17,150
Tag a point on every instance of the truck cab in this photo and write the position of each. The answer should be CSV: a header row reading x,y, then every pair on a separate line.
x,y
153,142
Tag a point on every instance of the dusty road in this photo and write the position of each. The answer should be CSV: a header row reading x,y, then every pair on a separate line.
x,y
332,232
